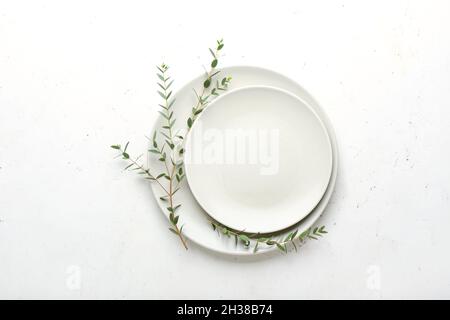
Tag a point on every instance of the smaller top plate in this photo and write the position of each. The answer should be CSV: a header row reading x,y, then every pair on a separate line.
x,y
258,159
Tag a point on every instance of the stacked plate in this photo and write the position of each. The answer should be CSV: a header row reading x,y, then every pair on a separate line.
x,y
261,158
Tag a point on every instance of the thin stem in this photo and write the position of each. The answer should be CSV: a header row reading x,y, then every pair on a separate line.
x,y
178,231
144,170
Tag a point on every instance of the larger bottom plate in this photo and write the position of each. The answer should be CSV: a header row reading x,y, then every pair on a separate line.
x,y
195,220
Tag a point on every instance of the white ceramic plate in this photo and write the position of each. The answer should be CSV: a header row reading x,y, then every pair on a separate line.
x,y
258,159
196,226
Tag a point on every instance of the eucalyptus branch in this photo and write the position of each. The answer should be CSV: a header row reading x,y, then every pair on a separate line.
x,y
294,238
170,164
205,95
134,165
165,83
173,170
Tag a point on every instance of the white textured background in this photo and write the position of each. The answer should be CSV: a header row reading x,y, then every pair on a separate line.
x,y
77,76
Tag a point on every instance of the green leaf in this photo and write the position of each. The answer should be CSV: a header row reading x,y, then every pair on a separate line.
x,y
215,73
161,86
256,247
305,233
225,231
207,83
171,145
282,248
220,46
212,53
295,246
160,77
165,135
164,115
175,220
289,237
125,155
244,239
189,122
173,230
162,95
214,63
160,175
116,146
